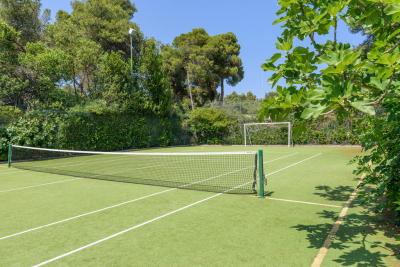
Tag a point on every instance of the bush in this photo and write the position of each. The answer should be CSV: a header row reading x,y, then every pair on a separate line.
x,y
26,132
209,125
381,137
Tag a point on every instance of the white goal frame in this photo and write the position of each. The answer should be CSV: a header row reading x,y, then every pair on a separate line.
x,y
269,123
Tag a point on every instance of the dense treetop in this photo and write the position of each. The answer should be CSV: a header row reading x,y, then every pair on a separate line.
x,y
84,57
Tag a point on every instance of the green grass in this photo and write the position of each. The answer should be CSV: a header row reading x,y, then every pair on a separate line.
x,y
233,230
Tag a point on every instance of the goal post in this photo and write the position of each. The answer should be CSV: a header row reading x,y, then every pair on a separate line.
x,y
271,125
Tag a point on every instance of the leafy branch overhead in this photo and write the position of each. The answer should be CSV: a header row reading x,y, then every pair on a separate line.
x,y
331,77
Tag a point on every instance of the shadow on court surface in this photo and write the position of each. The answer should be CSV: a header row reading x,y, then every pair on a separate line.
x,y
363,239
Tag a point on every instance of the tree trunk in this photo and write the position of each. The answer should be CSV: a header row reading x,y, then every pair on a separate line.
x,y
215,92
221,98
174,86
190,90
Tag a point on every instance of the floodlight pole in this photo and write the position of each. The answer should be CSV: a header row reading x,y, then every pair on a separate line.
x,y
262,85
132,32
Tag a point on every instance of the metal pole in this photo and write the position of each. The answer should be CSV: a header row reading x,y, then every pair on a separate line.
x,y
132,64
261,172
289,136
262,85
245,139
9,155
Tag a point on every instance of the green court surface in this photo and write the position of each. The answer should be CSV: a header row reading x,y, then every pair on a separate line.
x,y
59,220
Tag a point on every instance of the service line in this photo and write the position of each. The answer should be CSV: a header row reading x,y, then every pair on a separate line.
x,y
152,220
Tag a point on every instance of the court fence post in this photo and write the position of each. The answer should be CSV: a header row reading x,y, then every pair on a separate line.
x,y
261,172
9,155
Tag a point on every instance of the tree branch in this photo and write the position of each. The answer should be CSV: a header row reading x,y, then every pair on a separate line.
x,y
379,100
335,42
329,112
333,110
20,46
392,48
384,16
362,6
363,85
312,33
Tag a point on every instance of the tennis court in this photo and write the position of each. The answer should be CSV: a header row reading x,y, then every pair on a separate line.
x,y
65,220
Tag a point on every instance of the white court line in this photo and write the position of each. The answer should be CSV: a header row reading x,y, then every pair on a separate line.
x,y
122,232
280,158
303,202
328,241
40,185
12,172
155,219
120,204
292,165
78,216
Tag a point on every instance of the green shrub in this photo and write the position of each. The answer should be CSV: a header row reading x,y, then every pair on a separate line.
x,y
26,132
209,125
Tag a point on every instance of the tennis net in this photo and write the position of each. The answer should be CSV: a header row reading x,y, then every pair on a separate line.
x,y
215,172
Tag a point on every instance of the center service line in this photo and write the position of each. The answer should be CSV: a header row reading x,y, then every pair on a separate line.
x,y
113,206
152,220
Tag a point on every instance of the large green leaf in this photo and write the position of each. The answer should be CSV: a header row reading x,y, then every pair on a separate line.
x,y
298,131
318,94
279,20
339,69
284,44
359,104
274,58
392,9
312,111
268,66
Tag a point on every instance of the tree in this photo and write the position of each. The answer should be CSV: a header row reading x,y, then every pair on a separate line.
x,y
10,85
193,56
106,22
243,97
92,29
224,52
24,16
175,70
208,62
350,81
83,53
27,77
154,81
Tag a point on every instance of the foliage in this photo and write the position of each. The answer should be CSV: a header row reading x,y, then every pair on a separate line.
x,y
26,132
204,62
210,125
224,52
331,78
106,22
243,97
153,79
24,16
381,136
8,114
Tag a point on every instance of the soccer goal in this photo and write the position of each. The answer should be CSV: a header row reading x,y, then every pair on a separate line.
x,y
274,133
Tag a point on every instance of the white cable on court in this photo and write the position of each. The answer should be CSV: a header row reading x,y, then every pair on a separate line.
x,y
152,220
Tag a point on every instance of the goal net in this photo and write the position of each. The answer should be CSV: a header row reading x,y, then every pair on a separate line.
x,y
278,133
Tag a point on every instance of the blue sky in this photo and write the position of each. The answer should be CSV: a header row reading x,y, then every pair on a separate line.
x,y
250,20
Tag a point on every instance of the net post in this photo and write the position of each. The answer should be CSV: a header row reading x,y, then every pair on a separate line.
x,y
9,155
261,172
